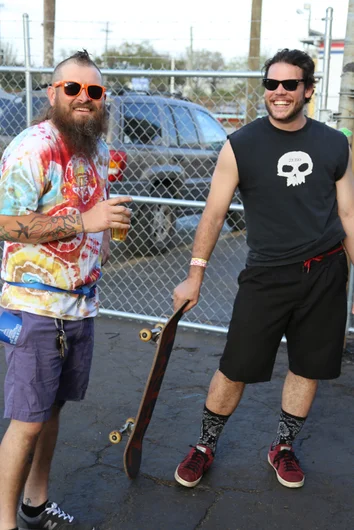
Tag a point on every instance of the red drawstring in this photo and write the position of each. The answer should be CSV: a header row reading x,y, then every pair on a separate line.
x,y
307,263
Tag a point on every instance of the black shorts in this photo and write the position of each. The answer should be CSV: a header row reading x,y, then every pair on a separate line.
x,y
309,307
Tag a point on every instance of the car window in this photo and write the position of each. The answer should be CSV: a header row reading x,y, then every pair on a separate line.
x,y
212,132
141,123
114,133
187,132
171,127
13,115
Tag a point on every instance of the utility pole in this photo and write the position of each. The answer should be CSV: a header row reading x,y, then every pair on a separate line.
x,y
107,32
2,52
254,60
188,89
191,58
172,80
48,36
346,100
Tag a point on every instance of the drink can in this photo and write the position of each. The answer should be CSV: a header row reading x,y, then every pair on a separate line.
x,y
10,327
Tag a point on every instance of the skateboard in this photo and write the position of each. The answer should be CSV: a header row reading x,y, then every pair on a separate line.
x,y
163,335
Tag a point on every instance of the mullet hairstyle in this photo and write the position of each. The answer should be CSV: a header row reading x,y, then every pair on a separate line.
x,y
82,58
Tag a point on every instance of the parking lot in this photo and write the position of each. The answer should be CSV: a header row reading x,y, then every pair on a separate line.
x,y
143,285
240,491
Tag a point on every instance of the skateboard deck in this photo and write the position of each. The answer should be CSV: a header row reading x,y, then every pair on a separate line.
x,y
166,336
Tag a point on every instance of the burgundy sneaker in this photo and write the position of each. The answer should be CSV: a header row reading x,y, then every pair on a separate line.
x,y
193,467
283,460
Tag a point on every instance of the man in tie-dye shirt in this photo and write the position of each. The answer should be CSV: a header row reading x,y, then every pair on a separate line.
x,y
55,219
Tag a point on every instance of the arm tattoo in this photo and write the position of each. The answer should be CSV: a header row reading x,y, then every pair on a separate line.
x,y
42,228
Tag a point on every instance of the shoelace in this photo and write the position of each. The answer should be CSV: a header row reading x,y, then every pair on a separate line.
x,y
54,509
197,460
291,463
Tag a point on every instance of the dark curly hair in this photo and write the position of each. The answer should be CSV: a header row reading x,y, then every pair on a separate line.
x,y
296,58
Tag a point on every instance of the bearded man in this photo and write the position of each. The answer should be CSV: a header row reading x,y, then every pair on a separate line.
x,y
55,219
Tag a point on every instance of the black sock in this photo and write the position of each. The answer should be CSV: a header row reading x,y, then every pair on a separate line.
x,y
33,511
288,428
211,428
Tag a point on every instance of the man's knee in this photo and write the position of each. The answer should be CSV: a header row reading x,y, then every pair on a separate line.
x,y
26,430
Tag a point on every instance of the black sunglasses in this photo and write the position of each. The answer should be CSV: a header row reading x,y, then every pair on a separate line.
x,y
74,89
288,84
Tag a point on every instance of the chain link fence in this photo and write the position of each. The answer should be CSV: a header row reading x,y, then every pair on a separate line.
x,y
163,147
165,131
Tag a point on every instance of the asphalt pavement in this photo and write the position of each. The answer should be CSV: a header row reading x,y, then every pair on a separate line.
x,y
240,491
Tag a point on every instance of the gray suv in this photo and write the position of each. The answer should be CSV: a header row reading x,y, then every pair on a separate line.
x,y
160,146
165,147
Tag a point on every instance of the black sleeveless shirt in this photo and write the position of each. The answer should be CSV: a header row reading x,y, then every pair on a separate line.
x,y
287,182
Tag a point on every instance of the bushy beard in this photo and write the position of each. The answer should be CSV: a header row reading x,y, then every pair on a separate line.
x,y
81,136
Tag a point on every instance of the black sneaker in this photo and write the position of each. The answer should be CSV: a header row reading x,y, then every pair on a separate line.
x,y
53,518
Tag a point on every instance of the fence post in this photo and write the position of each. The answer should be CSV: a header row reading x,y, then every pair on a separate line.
x,y
26,41
326,64
346,100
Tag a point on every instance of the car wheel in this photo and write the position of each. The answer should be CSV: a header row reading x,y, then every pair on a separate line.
x,y
156,227
161,226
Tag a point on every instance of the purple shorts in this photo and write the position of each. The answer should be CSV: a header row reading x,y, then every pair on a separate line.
x,y
37,377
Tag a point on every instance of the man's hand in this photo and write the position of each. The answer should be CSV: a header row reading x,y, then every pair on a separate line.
x,y
187,290
107,214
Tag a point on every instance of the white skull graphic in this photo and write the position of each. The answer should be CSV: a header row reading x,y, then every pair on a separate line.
x,y
295,166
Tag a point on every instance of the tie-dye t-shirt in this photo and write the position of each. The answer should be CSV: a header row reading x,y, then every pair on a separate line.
x,y
39,175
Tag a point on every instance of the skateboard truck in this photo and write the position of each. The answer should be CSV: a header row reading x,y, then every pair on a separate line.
x,y
151,334
116,436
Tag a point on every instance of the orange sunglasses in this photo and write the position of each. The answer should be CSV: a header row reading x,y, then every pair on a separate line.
x,y
74,89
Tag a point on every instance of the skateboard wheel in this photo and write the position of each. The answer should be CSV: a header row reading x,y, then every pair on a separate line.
x,y
145,335
115,437
131,420
160,325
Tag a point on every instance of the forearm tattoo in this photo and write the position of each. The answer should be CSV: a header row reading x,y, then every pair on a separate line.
x,y
41,228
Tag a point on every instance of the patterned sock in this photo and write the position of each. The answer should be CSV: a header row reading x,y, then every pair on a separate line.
x,y
288,428
211,428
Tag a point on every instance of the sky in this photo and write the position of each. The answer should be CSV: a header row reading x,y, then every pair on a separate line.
x,y
79,24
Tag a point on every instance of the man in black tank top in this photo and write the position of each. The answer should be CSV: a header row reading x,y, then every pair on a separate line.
x,y
294,175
